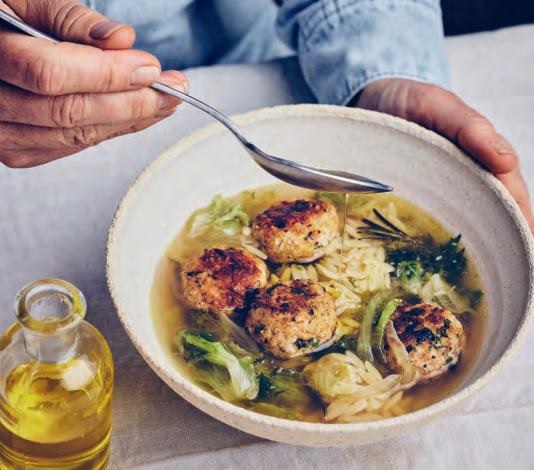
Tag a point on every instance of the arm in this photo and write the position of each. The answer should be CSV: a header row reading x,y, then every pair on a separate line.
x,y
388,56
345,45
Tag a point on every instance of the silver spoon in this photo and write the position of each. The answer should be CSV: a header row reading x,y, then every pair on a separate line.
x,y
291,172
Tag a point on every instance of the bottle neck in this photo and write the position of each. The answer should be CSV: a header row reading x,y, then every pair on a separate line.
x,y
50,311
58,347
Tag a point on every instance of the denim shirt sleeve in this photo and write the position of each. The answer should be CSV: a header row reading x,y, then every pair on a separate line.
x,y
343,45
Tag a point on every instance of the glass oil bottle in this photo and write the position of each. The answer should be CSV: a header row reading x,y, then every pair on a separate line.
x,y
56,382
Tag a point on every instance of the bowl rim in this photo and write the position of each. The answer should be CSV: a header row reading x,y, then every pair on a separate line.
x,y
233,414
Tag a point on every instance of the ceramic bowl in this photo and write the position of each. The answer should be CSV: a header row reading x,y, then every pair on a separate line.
x,y
422,166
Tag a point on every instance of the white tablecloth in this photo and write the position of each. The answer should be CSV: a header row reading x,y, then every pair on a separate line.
x,y
54,220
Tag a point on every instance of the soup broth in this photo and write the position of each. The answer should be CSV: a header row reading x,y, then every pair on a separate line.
x,y
171,316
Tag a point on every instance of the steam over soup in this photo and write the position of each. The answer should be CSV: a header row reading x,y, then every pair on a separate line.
x,y
276,302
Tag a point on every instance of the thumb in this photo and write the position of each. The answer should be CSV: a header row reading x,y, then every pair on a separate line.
x,y
71,21
451,117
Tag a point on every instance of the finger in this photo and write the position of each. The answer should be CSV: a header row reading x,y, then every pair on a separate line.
x,y
19,142
451,117
56,69
69,20
83,109
33,157
517,187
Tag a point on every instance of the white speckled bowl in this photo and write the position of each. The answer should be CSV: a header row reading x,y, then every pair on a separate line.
x,y
422,167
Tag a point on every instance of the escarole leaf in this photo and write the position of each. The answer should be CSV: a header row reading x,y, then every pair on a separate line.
x,y
378,334
222,214
411,262
438,291
284,384
277,411
449,260
409,374
231,377
363,347
410,275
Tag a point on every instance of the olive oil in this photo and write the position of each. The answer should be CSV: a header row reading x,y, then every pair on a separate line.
x,y
343,231
56,382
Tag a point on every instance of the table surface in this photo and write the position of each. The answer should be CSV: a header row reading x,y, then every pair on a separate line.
x,y
54,221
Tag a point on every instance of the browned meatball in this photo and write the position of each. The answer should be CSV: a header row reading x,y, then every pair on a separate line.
x,y
219,280
433,337
296,231
292,318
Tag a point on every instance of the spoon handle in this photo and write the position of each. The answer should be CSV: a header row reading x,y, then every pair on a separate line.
x,y
204,107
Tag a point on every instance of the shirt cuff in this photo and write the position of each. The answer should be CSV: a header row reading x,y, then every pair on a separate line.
x,y
343,45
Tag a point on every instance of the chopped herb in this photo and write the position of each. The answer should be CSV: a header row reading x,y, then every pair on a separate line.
x,y
304,343
258,329
425,334
442,332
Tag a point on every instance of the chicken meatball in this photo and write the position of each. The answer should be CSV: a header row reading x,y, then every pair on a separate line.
x,y
292,318
221,279
296,231
433,337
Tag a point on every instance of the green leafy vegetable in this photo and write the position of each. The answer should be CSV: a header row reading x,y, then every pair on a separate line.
x,y
450,261
363,347
277,411
447,260
410,274
281,383
223,215
346,342
378,334
229,376
439,291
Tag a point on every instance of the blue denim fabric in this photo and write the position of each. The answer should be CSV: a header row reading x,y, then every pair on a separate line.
x,y
342,45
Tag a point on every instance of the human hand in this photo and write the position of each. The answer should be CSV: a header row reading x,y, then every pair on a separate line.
x,y
443,112
57,99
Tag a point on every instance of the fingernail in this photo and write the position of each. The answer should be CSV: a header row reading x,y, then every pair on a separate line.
x,y
104,30
145,75
502,147
167,101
